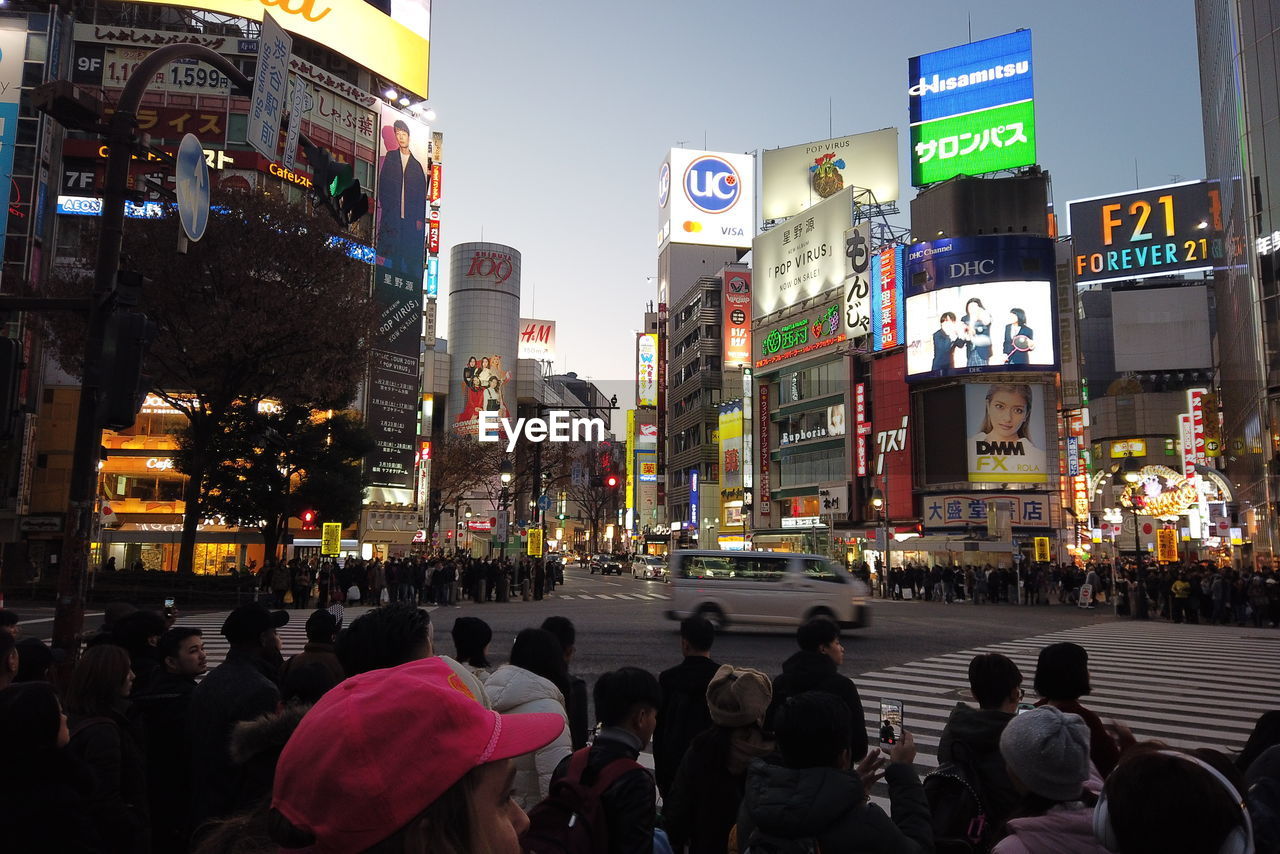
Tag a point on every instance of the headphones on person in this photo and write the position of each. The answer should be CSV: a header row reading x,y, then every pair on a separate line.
x,y
1238,841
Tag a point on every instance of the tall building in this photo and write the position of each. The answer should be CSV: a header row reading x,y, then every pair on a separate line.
x,y
1239,70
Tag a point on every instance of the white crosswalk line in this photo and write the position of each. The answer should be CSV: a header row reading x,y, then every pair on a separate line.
x,y
604,596
1188,686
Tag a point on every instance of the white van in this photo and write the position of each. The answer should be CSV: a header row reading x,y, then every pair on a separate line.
x,y
765,588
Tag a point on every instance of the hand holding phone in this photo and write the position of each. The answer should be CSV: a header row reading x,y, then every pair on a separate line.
x,y
890,723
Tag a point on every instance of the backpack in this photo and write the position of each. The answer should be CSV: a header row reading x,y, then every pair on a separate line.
x,y
572,819
760,842
957,809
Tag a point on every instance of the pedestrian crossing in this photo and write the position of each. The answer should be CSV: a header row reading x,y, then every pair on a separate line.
x,y
635,596
1187,686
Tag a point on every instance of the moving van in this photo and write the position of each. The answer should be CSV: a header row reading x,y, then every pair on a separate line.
x,y
765,589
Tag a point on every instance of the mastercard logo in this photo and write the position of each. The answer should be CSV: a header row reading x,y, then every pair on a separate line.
x,y
692,226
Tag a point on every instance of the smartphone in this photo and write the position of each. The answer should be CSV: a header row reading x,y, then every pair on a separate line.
x,y
168,603
1025,707
890,722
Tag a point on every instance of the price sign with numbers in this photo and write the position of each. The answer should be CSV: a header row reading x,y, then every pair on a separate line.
x,y
186,76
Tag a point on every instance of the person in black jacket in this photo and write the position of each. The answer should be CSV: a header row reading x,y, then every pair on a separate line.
x,y
44,790
163,709
627,701
816,668
576,701
402,204
683,714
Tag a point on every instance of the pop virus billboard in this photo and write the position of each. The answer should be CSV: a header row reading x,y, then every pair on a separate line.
x,y
798,177
972,109
706,198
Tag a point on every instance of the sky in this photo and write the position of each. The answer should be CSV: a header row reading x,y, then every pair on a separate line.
x,y
556,116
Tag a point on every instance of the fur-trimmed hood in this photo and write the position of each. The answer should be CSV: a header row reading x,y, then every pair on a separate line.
x,y
264,734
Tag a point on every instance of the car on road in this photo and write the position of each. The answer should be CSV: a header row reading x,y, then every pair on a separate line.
x,y
765,588
606,564
649,566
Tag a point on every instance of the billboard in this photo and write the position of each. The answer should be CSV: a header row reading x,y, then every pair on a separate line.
x,y
736,333
394,383
972,109
968,509
392,43
1153,232
484,306
731,464
812,330
887,310
647,369
980,305
706,198
798,177
1005,433
537,340
1158,329
802,257
13,49
891,448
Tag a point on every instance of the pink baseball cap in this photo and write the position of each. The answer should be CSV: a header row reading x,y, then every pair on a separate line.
x,y
381,747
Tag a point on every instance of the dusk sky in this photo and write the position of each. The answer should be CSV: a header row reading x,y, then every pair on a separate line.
x,y
557,115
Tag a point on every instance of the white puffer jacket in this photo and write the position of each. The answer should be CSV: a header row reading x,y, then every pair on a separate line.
x,y
514,690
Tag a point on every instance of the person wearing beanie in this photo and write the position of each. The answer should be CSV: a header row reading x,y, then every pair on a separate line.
x,y
1062,678
1046,752
702,806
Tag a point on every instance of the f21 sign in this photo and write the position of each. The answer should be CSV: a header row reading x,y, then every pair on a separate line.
x,y
1154,232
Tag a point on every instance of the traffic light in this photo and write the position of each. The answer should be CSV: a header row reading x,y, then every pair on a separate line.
x,y
611,481
10,377
127,338
336,185
308,520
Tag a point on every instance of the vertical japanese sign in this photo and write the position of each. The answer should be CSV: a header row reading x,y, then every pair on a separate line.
x,y
647,369
13,47
1042,549
693,500
1195,398
433,277
331,539
437,174
861,428
300,102
857,282
1187,444
1166,545
737,319
763,500
404,144
534,548
270,88
886,297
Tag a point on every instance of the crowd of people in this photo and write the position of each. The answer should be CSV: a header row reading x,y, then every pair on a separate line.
x,y
371,740
1199,592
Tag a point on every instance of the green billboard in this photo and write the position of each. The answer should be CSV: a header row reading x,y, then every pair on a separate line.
x,y
975,143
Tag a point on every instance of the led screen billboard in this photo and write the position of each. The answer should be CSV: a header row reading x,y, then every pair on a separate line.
x,y
980,305
647,369
1151,232
798,177
887,311
972,109
706,198
1005,433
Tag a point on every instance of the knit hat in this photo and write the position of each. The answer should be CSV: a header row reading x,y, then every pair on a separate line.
x,y
1048,751
738,696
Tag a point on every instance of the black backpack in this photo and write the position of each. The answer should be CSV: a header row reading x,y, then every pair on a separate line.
x,y
572,818
764,843
958,809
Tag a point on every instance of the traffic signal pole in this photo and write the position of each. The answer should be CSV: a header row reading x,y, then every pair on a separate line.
x,y
68,622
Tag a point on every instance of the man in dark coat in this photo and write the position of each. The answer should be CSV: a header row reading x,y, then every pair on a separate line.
x,y
402,202
163,708
240,689
816,668
322,632
627,701
683,714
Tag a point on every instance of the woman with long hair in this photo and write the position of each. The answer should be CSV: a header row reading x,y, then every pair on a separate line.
x,y
1019,339
102,735
1007,414
535,680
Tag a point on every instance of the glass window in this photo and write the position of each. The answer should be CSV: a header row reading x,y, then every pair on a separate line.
x,y
760,568
706,567
821,570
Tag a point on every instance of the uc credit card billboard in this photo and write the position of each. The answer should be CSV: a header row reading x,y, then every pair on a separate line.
x,y
980,305
972,109
706,198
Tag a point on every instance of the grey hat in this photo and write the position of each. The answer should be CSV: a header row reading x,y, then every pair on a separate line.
x,y
1048,751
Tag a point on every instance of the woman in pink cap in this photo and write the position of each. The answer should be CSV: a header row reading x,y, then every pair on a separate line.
x,y
406,760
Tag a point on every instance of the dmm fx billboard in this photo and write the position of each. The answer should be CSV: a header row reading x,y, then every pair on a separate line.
x,y
972,109
393,44
1153,232
796,178
706,198
1005,426
736,333
980,305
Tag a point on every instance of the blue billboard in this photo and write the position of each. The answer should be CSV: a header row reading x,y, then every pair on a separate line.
x,y
886,297
976,76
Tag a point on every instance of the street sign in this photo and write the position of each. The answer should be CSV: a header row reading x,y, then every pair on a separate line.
x,y
500,527
270,88
300,101
1166,545
191,174
1042,549
331,539
535,542
544,503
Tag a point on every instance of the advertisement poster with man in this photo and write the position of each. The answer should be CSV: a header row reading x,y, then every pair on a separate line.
x,y
404,148
994,326
1005,430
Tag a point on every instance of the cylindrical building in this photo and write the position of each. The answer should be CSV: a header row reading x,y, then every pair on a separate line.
x,y
484,320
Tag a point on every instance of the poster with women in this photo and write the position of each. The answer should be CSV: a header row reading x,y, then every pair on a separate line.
x,y
483,389
1005,426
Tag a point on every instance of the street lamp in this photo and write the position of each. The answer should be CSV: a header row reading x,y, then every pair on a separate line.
x,y
878,502
504,475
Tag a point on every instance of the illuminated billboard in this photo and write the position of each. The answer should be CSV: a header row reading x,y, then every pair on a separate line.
x,y
1005,433
736,334
393,44
706,198
1152,232
797,335
647,369
798,177
887,310
802,257
972,109
537,340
